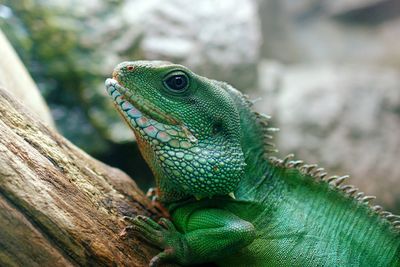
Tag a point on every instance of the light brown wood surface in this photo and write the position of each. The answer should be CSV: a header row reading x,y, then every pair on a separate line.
x,y
58,205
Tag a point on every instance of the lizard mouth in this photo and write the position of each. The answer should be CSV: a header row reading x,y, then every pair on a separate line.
x,y
143,116
123,96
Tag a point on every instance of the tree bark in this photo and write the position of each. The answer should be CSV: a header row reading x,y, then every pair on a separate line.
x,y
59,206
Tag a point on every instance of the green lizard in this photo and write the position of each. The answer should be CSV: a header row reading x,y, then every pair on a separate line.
x,y
229,201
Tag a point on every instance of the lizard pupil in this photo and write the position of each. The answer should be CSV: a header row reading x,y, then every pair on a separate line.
x,y
177,82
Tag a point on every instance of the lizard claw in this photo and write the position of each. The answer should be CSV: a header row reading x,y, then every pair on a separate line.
x,y
165,256
167,224
148,230
162,234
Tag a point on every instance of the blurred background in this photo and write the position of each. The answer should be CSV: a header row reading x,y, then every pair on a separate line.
x,y
327,71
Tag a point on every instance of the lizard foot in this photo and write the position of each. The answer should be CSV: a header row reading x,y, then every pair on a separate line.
x,y
162,234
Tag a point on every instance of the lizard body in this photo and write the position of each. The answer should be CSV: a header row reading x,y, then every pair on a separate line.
x,y
230,203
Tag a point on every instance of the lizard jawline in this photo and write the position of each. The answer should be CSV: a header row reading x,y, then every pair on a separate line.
x,y
141,105
153,125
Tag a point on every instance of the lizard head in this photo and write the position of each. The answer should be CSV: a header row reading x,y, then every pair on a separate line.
x,y
187,127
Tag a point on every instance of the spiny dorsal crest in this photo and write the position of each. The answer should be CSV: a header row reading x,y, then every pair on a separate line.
x,y
267,132
319,175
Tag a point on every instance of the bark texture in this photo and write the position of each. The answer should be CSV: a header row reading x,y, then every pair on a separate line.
x,y
59,206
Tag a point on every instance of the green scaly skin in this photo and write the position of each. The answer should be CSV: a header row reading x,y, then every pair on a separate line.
x,y
203,142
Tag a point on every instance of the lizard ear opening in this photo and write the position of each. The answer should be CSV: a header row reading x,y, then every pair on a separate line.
x,y
217,127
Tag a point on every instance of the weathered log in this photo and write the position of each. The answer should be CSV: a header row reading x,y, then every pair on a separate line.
x,y
59,206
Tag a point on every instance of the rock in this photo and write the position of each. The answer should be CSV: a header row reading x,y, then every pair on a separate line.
x,y
277,37
345,118
313,32
367,10
217,39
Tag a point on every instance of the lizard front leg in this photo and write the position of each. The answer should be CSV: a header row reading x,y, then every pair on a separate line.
x,y
206,235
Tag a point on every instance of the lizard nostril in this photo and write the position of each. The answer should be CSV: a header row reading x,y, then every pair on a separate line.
x,y
130,68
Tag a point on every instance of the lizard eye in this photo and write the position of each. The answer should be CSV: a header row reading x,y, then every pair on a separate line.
x,y
177,82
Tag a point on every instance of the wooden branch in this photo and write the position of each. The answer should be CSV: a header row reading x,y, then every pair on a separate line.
x,y
59,206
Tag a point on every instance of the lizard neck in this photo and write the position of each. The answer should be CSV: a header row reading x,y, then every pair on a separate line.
x,y
255,136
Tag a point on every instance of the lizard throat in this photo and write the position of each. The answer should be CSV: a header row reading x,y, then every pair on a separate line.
x,y
151,124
